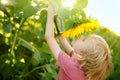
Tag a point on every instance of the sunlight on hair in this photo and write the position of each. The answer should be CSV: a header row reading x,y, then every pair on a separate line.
x,y
4,1
68,3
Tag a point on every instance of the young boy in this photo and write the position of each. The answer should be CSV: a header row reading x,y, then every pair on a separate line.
x,y
88,59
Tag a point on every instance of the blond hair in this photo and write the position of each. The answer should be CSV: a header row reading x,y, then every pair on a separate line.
x,y
96,60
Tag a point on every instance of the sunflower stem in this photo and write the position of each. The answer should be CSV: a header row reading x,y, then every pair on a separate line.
x,y
15,38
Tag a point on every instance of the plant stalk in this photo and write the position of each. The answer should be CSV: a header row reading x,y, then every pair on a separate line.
x,y
15,38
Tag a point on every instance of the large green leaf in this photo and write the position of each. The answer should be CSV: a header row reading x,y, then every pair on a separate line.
x,y
80,4
77,14
63,12
67,17
31,48
43,18
24,8
68,24
59,23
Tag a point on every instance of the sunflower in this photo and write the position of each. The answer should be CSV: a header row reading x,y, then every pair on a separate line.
x,y
83,27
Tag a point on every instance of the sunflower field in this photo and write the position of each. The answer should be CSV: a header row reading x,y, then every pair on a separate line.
x,y
24,53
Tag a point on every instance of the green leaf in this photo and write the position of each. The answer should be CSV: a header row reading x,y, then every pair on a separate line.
x,y
59,23
26,44
37,56
80,4
52,69
6,69
68,24
31,48
39,33
6,27
77,14
27,11
43,18
46,76
82,13
62,12
25,8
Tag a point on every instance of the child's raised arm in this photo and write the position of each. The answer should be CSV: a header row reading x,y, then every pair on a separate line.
x,y
49,34
65,44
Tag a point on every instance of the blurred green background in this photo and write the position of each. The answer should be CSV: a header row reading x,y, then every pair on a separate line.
x,y
24,54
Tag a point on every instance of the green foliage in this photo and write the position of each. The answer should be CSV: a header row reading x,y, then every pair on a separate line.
x,y
24,54
81,4
69,16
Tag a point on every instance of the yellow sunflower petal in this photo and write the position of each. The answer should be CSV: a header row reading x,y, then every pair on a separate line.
x,y
84,27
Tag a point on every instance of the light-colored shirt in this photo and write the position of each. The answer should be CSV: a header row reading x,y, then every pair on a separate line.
x,y
69,68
